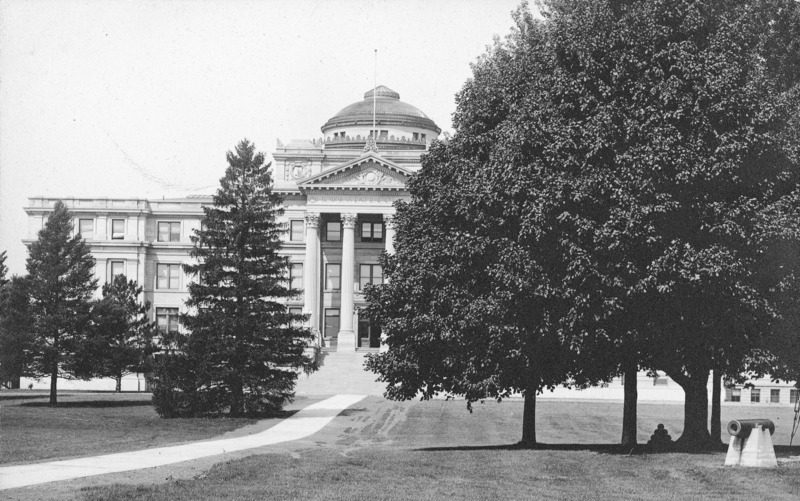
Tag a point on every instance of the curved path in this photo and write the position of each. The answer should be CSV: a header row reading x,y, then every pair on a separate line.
x,y
305,422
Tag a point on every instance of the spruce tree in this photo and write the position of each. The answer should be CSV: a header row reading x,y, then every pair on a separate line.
x,y
60,285
120,337
243,349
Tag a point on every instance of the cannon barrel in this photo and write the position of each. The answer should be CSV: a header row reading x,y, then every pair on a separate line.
x,y
743,427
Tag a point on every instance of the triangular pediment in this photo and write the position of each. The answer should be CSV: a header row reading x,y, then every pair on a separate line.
x,y
369,171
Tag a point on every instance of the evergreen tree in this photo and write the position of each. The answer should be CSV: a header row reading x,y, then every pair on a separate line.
x,y
60,285
120,339
244,349
16,341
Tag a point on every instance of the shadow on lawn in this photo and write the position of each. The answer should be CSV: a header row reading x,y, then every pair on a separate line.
x,y
612,449
98,404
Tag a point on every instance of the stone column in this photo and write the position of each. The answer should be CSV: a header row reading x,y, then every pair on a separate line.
x,y
347,336
388,219
311,270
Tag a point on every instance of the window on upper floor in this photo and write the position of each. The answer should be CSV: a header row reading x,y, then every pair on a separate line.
x,y
296,276
333,231
660,381
169,231
775,396
794,395
371,232
296,230
167,320
117,229
86,228
169,276
333,277
370,274
116,268
755,395
415,136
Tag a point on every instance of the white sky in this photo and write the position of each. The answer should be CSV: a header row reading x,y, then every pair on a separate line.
x,y
143,98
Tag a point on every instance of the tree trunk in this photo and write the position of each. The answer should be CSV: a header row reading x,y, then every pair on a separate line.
x,y
695,436
237,399
716,407
529,419
119,383
54,373
629,426
53,383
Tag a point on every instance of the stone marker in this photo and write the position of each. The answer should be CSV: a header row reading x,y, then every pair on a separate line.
x,y
751,443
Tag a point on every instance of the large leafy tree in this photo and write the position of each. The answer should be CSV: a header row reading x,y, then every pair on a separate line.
x,y
629,169
60,286
244,348
120,338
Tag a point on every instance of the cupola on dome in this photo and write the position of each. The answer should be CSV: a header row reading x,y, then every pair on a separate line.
x,y
389,111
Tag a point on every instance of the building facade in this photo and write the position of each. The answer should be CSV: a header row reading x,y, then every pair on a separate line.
x,y
339,192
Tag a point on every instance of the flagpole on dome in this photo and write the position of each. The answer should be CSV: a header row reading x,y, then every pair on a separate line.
x,y
372,138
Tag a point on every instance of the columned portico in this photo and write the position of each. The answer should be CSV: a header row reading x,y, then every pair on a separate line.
x,y
347,336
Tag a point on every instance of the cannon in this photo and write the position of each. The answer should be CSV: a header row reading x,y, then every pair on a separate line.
x,y
751,443
743,427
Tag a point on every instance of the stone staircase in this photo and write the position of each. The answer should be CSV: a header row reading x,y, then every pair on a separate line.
x,y
340,373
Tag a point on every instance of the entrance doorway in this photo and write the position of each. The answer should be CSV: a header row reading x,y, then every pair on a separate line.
x,y
331,333
369,335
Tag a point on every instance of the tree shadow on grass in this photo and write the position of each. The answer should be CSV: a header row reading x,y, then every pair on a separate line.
x,y
97,404
611,449
9,398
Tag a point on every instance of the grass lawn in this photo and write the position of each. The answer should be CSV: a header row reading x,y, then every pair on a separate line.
x,y
87,424
437,450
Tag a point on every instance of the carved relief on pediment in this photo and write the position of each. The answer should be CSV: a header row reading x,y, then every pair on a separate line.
x,y
365,175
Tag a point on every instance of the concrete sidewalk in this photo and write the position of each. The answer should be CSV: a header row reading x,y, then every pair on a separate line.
x,y
305,422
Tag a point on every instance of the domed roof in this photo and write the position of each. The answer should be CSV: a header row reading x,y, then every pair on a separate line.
x,y
389,110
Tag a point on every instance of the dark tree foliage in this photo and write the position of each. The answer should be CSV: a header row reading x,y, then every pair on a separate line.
x,y
16,338
621,192
120,337
60,285
245,349
3,269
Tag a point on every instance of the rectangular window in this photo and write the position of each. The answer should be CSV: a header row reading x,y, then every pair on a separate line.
x,y
331,322
296,230
117,268
333,231
369,336
755,396
736,394
370,274
660,381
168,276
415,136
333,276
775,396
423,137
296,276
117,229
794,395
371,232
167,320
86,228
296,310
169,231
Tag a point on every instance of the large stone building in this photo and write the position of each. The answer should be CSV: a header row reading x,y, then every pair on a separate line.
x,y
339,192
